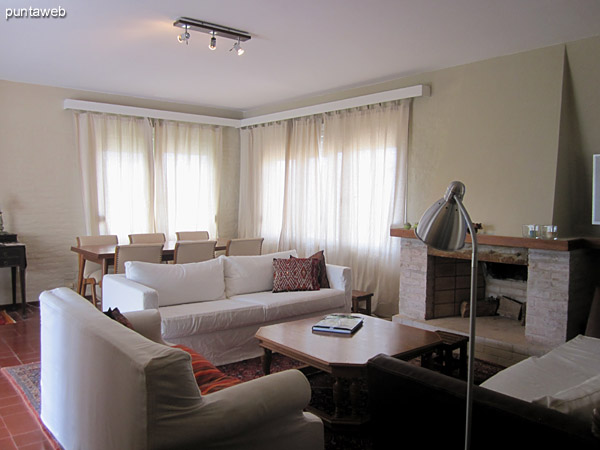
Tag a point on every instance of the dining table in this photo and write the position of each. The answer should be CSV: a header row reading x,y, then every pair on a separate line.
x,y
105,256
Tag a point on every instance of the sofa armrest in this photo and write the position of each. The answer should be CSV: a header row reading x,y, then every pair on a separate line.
x,y
257,410
147,323
340,277
258,401
127,295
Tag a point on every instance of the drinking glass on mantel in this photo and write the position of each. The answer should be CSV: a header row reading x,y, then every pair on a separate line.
x,y
549,232
531,231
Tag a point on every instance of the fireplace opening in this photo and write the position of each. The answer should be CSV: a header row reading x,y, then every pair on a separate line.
x,y
501,289
502,271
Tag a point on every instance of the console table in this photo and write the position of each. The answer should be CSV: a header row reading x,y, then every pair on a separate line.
x,y
12,254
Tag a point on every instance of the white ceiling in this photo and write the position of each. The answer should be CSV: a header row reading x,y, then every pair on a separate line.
x,y
299,48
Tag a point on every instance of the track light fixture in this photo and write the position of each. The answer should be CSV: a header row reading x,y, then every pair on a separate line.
x,y
213,42
238,48
214,30
184,37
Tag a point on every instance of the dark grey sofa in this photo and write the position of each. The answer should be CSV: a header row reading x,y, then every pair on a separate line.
x,y
407,402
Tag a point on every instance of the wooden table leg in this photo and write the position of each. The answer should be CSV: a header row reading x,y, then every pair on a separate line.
x,y
266,361
80,285
13,276
463,361
23,296
337,397
354,397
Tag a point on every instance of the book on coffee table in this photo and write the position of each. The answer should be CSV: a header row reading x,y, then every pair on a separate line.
x,y
338,323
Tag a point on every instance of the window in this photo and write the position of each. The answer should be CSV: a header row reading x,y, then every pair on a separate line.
x,y
136,184
339,188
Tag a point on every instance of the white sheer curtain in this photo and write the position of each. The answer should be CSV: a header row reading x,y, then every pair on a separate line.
x,y
117,171
133,183
187,164
262,182
343,187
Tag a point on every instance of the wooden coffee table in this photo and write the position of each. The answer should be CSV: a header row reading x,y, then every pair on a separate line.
x,y
344,356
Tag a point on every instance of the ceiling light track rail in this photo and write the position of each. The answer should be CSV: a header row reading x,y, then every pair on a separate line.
x,y
212,29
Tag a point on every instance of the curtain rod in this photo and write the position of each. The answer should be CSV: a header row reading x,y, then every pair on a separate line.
x,y
420,90
147,112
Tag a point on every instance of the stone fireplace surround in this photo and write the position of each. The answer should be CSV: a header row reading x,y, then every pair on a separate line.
x,y
560,282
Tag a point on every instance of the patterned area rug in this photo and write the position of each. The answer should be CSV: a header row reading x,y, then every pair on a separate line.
x,y
26,381
27,378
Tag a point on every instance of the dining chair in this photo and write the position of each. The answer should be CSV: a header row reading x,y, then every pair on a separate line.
x,y
92,273
244,247
147,238
192,235
193,251
151,253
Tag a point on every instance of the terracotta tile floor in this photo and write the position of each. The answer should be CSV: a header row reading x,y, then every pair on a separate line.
x,y
19,344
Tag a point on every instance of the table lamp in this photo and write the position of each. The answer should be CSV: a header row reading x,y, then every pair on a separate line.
x,y
444,227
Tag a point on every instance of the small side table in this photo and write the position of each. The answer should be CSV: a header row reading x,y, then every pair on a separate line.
x,y
360,296
451,342
12,254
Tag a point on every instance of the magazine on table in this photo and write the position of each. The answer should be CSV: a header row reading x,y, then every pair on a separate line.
x,y
338,323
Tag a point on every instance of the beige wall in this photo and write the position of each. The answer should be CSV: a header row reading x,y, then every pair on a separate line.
x,y
495,125
40,186
518,130
580,138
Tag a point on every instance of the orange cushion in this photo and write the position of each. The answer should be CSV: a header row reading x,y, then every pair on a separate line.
x,y
209,378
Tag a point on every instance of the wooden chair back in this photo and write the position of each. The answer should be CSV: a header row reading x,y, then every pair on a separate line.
x,y
193,251
244,247
192,235
151,253
147,238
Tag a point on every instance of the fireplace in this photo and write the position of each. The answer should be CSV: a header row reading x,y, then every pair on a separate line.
x,y
553,278
450,287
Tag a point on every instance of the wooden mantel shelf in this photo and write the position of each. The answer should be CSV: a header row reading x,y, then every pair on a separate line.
x,y
519,242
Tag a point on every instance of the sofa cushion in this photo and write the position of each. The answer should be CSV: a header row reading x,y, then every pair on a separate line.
x,y
323,280
180,283
578,401
244,274
207,317
209,378
551,373
295,274
285,305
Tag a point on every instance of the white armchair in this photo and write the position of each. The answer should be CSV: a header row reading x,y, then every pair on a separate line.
x,y
105,386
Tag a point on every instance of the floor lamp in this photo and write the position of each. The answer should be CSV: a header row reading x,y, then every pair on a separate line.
x,y
444,227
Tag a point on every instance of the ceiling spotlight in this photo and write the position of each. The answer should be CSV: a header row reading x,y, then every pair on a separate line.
x,y
184,37
213,42
238,48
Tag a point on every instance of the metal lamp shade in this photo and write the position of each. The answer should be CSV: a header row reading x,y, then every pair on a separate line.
x,y
443,226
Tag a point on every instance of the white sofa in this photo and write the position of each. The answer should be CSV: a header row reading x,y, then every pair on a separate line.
x,y
566,378
105,386
217,306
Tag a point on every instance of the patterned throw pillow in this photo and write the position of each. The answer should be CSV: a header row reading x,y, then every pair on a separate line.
x,y
208,377
295,274
115,314
323,280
